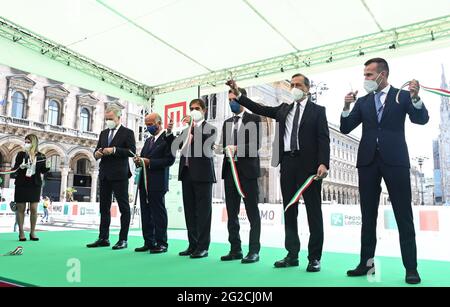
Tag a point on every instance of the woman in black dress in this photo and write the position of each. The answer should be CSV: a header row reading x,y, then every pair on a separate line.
x,y
30,165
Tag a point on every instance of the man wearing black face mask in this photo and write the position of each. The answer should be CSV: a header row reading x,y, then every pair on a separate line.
x,y
383,153
157,158
241,136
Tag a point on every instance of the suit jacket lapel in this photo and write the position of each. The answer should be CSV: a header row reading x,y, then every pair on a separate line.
x,y
388,102
243,122
228,131
156,143
372,108
116,136
144,150
306,113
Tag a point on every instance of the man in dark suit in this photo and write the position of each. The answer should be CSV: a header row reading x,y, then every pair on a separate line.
x,y
242,136
196,172
302,148
157,158
383,153
115,145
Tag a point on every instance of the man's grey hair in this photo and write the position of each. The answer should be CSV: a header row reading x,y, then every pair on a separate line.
x,y
116,110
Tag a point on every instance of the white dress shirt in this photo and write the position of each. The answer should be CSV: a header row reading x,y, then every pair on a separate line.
x,y
239,122
158,135
114,135
290,123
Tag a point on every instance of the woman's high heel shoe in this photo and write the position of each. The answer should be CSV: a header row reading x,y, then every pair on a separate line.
x,y
22,239
33,238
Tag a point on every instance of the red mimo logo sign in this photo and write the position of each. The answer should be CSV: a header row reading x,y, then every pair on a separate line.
x,y
175,111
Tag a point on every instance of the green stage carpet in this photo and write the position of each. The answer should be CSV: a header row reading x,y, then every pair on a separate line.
x,y
49,262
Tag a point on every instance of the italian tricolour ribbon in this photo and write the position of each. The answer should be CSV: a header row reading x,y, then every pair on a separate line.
x,y
437,91
300,191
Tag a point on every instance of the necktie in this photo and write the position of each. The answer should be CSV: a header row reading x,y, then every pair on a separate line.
x,y
151,142
379,105
110,136
235,129
294,133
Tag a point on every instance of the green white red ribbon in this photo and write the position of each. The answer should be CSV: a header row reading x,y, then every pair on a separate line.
x,y
143,171
437,91
16,252
234,171
295,199
9,172
12,171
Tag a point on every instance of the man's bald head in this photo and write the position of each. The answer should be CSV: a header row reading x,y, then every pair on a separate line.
x,y
152,119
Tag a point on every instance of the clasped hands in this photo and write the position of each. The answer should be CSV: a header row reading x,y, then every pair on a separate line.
x,y
104,152
138,163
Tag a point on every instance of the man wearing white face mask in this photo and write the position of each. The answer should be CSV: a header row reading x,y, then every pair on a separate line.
x,y
197,175
115,145
304,150
383,153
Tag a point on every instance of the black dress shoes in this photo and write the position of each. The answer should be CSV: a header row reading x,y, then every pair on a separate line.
x,y
144,248
158,249
250,258
186,252
99,243
313,266
232,256
361,270
286,262
121,244
199,254
34,238
412,277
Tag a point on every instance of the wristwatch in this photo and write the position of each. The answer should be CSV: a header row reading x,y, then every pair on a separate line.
x,y
415,99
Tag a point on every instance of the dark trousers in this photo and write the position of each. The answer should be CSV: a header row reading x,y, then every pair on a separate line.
x,y
397,181
233,204
197,201
292,177
120,190
154,217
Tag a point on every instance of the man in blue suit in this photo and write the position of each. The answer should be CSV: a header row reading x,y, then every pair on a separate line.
x,y
157,158
383,153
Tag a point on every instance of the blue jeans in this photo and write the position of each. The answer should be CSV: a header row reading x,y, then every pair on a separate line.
x,y
45,214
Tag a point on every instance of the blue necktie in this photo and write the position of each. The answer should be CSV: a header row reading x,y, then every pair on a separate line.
x,y
110,136
379,106
151,142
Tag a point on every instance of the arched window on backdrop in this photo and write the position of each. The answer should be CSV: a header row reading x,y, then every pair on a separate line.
x,y
53,113
85,118
18,105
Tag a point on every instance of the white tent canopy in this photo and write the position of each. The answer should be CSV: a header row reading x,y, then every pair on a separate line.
x,y
159,41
